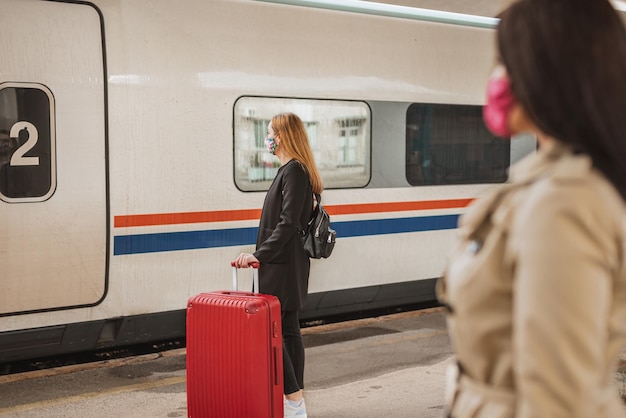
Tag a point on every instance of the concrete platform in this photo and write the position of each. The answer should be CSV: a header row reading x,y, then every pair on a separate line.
x,y
390,366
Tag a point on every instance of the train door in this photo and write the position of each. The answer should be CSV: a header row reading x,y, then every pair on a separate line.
x,y
53,185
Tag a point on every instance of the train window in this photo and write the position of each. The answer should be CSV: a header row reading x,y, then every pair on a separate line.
x,y
338,131
449,144
27,166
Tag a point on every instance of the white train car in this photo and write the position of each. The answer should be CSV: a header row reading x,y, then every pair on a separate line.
x,y
132,167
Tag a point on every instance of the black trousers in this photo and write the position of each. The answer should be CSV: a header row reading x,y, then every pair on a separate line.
x,y
293,352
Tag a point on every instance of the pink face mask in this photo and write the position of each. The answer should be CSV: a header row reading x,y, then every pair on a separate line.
x,y
500,101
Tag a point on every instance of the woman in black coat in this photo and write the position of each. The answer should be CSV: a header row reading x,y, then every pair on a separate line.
x,y
284,266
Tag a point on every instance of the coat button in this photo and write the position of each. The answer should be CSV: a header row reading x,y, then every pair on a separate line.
x,y
474,246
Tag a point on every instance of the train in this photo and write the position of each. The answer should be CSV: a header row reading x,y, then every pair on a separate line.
x,y
132,166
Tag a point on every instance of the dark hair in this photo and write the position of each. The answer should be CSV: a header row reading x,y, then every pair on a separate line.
x,y
566,60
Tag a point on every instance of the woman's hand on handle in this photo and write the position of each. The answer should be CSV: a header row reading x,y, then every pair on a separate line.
x,y
245,260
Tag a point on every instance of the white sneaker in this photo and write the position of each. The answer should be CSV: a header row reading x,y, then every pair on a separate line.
x,y
293,409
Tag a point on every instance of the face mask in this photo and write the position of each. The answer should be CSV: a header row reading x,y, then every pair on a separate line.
x,y
500,101
271,145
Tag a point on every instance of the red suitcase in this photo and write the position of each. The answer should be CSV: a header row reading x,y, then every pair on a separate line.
x,y
234,355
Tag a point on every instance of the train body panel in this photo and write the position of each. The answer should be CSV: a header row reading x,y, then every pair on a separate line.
x,y
55,227
151,99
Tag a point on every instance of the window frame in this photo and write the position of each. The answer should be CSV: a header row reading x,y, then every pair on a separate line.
x,y
262,168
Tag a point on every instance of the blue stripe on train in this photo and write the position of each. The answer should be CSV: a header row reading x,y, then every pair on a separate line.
x,y
175,241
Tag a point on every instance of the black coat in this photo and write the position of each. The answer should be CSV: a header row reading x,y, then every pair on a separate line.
x,y
288,205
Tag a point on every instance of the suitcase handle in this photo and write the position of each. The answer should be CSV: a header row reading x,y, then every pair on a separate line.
x,y
255,276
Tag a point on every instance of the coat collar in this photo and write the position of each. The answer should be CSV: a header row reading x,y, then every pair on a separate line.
x,y
553,159
286,164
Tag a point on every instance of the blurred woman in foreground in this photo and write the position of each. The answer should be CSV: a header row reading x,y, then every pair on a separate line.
x,y
536,289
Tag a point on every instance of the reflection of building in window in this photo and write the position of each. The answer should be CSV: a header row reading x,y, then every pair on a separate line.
x,y
262,167
260,131
339,135
311,133
350,141
449,144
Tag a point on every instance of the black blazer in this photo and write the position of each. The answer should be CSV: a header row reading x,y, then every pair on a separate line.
x,y
284,270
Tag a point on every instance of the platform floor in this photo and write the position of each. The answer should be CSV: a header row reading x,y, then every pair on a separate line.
x,y
380,367
392,366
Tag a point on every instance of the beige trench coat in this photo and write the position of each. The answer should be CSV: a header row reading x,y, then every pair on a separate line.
x,y
537,294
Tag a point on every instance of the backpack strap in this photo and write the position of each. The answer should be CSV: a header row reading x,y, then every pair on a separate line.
x,y
316,202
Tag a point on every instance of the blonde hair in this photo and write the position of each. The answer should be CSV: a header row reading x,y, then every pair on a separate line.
x,y
295,143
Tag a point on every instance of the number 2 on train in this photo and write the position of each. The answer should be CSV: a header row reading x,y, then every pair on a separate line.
x,y
18,157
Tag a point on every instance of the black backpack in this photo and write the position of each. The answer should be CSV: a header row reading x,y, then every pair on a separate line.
x,y
319,238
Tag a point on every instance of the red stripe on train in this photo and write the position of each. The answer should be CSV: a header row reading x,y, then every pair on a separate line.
x,y
125,221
